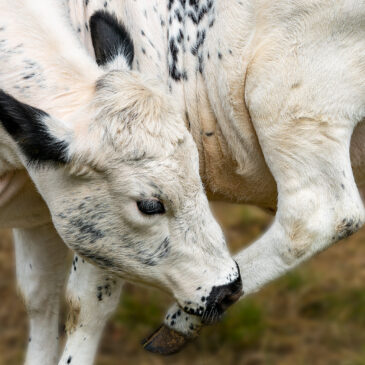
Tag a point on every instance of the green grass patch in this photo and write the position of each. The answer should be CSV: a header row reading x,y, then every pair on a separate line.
x,y
140,311
345,305
241,328
294,281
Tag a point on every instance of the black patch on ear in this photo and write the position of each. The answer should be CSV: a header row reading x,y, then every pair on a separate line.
x,y
25,125
110,38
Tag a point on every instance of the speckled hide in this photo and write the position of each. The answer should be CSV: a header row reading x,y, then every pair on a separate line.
x,y
96,157
273,94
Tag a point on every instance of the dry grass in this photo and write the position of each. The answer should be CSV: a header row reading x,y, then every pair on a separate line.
x,y
313,316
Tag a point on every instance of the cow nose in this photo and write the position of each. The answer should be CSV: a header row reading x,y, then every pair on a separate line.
x,y
220,298
229,294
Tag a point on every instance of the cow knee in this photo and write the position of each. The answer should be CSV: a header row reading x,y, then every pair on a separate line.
x,y
74,309
92,295
91,308
35,301
311,226
347,226
348,217
39,291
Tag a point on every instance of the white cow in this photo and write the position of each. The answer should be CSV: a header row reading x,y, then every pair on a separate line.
x,y
117,173
272,92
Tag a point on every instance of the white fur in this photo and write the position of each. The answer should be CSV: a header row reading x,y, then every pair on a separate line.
x,y
41,266
126,141
84,328
282,89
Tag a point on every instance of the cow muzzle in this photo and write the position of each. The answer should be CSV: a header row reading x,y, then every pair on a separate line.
x,y
167,341
220,299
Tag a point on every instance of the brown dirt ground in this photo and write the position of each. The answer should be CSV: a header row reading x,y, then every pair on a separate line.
x,y
313,316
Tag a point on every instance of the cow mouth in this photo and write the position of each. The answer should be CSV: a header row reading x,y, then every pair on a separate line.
x,y
212,314
219,300
211,317
205,316
215,311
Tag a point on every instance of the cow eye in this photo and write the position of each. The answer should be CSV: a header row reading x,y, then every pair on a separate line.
x,y
151,207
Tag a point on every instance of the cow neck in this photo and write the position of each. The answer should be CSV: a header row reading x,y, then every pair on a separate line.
x,y
191,48
208,54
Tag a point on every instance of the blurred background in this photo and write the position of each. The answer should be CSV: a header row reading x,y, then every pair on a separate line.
x,y
314,315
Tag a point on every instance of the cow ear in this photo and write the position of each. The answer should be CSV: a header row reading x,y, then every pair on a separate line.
x,y
110,39
34,131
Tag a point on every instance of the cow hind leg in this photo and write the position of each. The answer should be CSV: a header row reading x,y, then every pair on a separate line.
x,y
93,296
41,266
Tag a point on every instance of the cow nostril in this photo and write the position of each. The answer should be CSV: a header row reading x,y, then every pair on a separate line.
x,y
221,298
228,300
231,294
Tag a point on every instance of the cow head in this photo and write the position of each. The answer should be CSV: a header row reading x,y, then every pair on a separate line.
x,y
121,180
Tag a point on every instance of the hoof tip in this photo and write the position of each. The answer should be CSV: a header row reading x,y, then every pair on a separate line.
x,y
165,341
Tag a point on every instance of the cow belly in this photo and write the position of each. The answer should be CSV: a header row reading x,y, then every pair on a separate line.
x,y
21,206
358,154
224,181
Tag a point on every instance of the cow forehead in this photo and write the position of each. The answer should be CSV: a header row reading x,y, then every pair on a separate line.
x,y
170,174
131,103
181,163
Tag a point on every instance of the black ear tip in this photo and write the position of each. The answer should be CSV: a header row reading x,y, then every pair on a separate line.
x,y
110,38
97,19
13,109
26,125
5,98
102,16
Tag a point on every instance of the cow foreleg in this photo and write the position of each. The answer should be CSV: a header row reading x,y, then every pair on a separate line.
x,y
41,266
318,204
318,200
93,296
